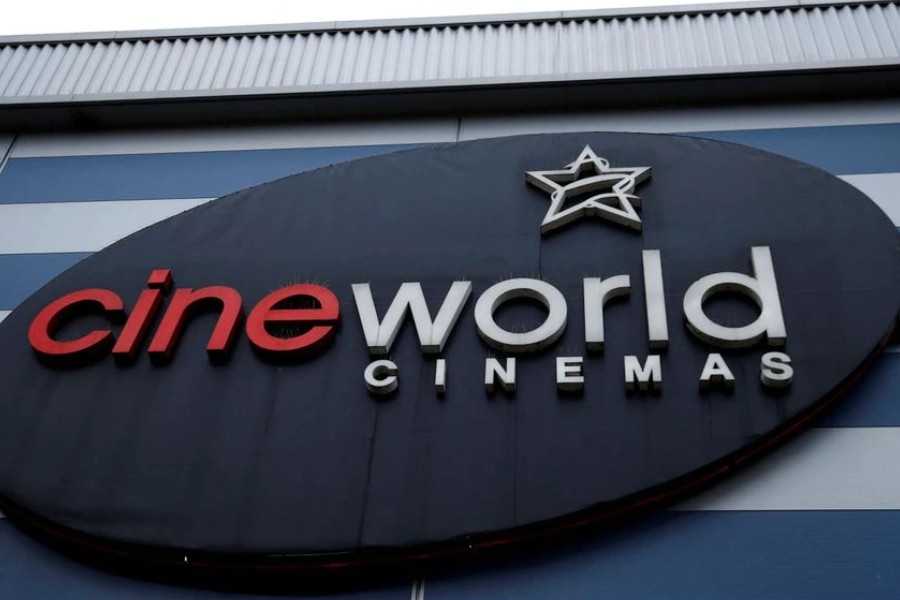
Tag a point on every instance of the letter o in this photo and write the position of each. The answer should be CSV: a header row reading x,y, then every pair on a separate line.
x,y
541,337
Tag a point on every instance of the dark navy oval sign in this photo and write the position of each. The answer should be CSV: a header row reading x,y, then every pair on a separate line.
x,y
438,351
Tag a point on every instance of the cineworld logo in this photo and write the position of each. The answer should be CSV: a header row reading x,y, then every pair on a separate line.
x,y
437,355
318,324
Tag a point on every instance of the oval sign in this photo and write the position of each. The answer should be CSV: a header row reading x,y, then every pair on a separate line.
x,y
438,351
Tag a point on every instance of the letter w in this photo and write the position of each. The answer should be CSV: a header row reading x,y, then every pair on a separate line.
x,y
432,334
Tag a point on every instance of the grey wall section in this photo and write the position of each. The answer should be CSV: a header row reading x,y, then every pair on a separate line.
x,y
761,535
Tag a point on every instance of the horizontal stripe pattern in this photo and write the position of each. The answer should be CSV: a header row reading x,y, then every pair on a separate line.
x,y
281,136
883,188
21,275
80,226
872,402
842,150
149,176
823,469
678,120
802,475
814,555
38,240
676,556
818,503
37,228
823,496
31,571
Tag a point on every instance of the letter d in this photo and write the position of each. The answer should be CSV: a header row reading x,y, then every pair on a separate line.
x,y
761,288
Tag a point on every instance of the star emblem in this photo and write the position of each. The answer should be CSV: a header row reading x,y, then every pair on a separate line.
x,y
590,174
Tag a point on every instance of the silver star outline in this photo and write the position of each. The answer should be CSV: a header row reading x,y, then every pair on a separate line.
x,y
618,204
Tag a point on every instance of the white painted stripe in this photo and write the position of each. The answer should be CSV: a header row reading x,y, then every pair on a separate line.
x,y
883,188
80,226
4,314
40,228
262,137
687,119
823,469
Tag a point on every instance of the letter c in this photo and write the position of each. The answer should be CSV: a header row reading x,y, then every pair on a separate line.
x,y
40,334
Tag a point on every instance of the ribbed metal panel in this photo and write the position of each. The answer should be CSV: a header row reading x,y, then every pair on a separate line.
x,y
756,39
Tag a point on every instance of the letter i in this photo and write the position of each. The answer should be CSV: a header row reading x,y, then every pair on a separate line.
x,y
135,329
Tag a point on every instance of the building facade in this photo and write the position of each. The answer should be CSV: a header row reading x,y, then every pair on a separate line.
x,y
106,134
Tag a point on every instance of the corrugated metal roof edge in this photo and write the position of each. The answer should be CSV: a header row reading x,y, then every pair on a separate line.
x,y
456,84
837,81
461,21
